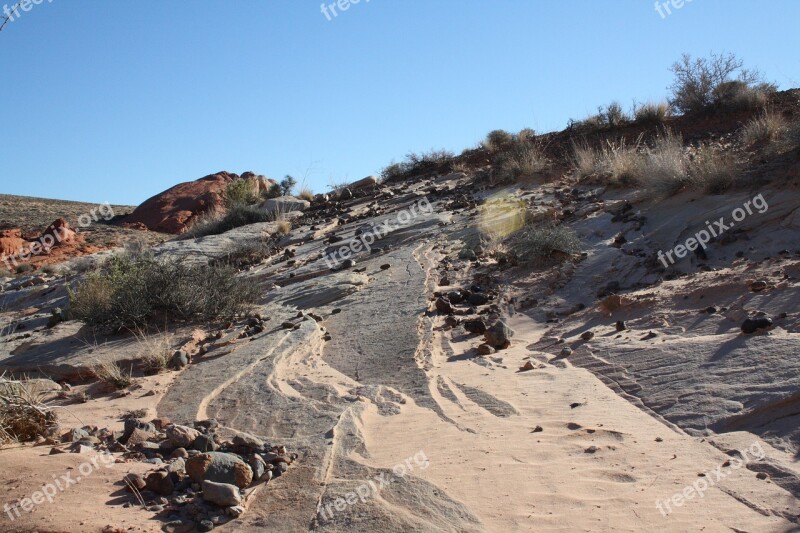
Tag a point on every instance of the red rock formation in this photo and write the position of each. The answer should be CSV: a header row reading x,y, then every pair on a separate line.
x,y
57,234
11,241
174,210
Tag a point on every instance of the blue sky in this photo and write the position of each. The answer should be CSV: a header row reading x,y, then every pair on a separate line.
x,y
117,101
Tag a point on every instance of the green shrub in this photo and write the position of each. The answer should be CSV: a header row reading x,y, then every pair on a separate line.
x,y
235,217
417,164
241,192
287,184
132,292
497,140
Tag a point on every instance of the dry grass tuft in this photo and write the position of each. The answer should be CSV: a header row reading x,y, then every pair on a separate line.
x,y
110,373
24,413
767,127
155,351
306,194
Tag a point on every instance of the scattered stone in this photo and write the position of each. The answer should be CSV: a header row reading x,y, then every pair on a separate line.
x,y
181,436
220,468
236,511
134,480
621,325
258,466
751,325
205,443
443,306
537,429
205,525
711,310
478,299
762,475
248,441
160,482
477,326
467,254
565,352
587,335
451,321
758,286
180,360
348,263
527,366
387,266
288,325
591,449
499,335
485,349
222,494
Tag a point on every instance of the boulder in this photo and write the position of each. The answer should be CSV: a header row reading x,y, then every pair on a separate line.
x,y
220,468
249,441
262,184
160,482
222,494
499,335
11,242
285,204
751,325
58,233
175,209
369,181
181,436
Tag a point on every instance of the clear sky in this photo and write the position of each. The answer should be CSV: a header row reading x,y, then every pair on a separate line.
x,y
116,101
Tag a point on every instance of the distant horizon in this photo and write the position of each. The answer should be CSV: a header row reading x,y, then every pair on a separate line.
x,y
105,115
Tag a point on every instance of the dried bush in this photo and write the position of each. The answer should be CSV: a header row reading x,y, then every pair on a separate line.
x,y
717,82
24,413
540,244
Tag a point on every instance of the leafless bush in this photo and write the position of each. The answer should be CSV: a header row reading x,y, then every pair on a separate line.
x,y
24,412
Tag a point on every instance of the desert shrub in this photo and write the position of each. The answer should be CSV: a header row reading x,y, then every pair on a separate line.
x,y
539,244
274,191
131,293
416,164
497,140
767,127
287,184
246,254
241,192
713,169
717,82
526,135
24,412
652,113
306,194
238,215
521,161
612,115
110,373
4,273
24,268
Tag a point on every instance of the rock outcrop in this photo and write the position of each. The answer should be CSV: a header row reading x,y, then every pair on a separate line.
x,y
174,210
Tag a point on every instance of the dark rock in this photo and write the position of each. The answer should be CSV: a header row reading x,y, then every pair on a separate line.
x,y
587,335
443,306
205,443
621,325
478,299
477,326
485,349
499,335
160,482
751,325
180,359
